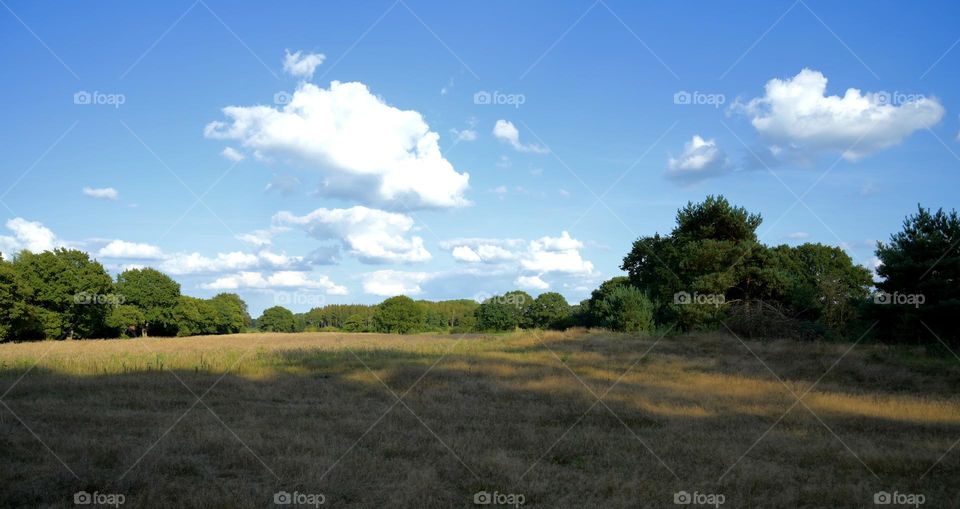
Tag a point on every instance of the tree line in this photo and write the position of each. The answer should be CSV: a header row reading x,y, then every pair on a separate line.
x,y
709,273
64,294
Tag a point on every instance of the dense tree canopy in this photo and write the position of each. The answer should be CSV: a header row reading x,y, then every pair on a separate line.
x,y
155,294
399,315
277,319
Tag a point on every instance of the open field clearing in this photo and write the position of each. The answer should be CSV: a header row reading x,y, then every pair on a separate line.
x,y
575,419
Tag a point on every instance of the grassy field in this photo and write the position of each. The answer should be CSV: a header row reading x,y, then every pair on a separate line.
x,y
576,419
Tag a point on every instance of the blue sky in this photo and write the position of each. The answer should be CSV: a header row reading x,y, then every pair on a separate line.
x,y
603,118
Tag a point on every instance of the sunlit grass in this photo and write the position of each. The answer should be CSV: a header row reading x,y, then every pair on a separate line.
x,y
519,410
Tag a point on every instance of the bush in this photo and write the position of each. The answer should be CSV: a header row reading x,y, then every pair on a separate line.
x,y
627,309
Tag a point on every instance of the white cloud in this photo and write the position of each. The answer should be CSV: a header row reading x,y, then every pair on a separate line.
x,y
261,238
464,135
277,280
544,255
130,250
796,112
531,283
505,131
101,193
700,159
232,154
373,236
556,254
302,65
364,148
388,283
29,235
179,264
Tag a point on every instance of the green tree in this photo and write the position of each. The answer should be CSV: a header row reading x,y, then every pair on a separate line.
x,y
18,319
277,319
155,294
70,293
549,310
399,314
231,312
627,309
125,320
503,312
921,262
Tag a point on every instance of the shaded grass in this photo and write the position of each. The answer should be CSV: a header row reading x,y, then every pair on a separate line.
x,y
318,413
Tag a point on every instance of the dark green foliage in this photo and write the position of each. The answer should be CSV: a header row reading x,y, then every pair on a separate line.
x,y
549,310
66,294
155,294
921,263
627,309
503,312
277,319
400,315
231,313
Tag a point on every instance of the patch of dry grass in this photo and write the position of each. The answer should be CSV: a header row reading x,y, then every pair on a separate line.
x,y
318,413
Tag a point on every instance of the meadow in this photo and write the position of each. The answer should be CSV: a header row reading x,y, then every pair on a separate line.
x,y
582,418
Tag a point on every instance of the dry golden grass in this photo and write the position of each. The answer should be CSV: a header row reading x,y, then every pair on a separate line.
x,y
318,413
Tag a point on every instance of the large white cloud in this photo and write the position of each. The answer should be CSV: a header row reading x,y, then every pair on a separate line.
x,y
373,236
505,131
364,148
700,159
28,235
387,283
277,280
796,113
530,261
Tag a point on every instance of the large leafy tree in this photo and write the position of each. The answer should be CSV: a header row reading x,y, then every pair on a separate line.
x,y
70,293
503,312
18,319
923,259
549,310
155,294
399,314
277,319
231,313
